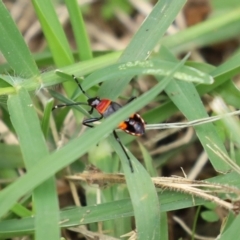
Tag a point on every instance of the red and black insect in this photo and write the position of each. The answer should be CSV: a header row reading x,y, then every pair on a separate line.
x,y
134,125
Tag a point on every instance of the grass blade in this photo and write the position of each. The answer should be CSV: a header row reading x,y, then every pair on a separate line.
x,y
189,103
53,32
154,67
79,30
27,126
48,166
14,48
170,201
50,78
143,42
46,117
140,186
208,32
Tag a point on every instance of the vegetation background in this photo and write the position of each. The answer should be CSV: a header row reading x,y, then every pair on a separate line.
x,y
120,49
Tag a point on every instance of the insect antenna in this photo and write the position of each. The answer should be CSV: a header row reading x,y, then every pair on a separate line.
x,y
69,105
79,85
76,103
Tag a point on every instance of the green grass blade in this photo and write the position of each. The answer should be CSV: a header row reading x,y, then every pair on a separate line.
x,y
78,69
154,66
114,210
230,93
140,186
27,126
53,32
228,69
59,159
189,103
13,47
164,226
143,42
233,230
211,31
143,196
21,211
122,225
46,117
79,30
10,157
221,75
55,36
148,161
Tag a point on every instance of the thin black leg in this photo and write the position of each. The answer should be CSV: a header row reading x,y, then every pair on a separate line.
x,y
91,110
87,122
124,150
131,99
79,85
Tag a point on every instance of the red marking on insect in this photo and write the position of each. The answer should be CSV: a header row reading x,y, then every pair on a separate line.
x,y
103,105
134,125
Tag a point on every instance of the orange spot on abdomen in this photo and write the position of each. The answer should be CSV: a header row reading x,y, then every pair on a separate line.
x,y
122,125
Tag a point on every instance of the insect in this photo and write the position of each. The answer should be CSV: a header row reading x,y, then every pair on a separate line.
x,y
134,125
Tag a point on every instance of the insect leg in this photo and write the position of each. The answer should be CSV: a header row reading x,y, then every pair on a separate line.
x,y
87,122
79,85
131,99
124,150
